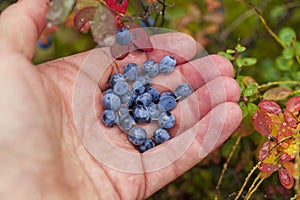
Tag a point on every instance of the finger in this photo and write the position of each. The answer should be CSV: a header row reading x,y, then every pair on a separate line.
x,y
196,73
99,63
179,45
189,148
189,111
21,25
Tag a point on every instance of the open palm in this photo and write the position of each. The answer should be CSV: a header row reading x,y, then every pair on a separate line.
x,y
49,127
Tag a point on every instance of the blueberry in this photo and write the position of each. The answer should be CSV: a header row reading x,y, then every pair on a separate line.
x,y
108,118
167,102
114,78
137,135
154,111
166,94
150,68
126,97
160,135
167,64
147,144
111,101
131,102
144,99
182,91
131,71
45,44
123,37
166,120
154,93
138,87
121,88
109,91
122,113
126,123
141,114
144,79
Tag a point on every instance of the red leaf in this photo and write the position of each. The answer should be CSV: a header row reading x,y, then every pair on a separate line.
x,y
269,107
264,151
290,119
83,16
267,168
277,93
119,52
140,38
103,24
286,178
293,104
262,122
286,157
119,6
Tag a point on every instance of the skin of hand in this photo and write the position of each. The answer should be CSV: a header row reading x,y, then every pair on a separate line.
x,y
41,153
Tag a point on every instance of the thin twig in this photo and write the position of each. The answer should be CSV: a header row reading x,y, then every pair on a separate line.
x,y
264,86
276,38
226,165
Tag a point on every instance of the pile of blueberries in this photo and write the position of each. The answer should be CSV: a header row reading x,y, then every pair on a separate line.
x,y
131,100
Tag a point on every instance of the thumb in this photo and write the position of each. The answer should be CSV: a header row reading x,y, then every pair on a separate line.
x,y
21,24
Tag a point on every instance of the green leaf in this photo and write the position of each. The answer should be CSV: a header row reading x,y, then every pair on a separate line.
x,y
284,64
252,108
244,108
59,11
242,86
239,61
240,48
288,53
251,90
249,61
277,93
230,51
287,36
226,55
297,46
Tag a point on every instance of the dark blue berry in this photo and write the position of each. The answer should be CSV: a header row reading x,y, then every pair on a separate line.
x,y
182,91
121,88
137,135
150,68
167,64
148,144
138,87
167,102
108,118
131,71
131,102
154,93
166,120
111,101
141,114
114,78
154,111
144,99
144,79
123,37
160,135
126,123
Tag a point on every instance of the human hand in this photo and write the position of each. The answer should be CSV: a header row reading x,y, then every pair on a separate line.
x,y
49,127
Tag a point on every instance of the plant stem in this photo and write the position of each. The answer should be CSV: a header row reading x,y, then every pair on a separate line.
x,y
246,180
226,165
263,21
297,166
251,191
263,86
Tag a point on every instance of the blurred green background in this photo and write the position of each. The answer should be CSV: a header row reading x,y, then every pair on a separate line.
x,y
217,26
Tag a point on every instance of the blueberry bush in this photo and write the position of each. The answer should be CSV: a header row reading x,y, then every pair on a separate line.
x,y
260,37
